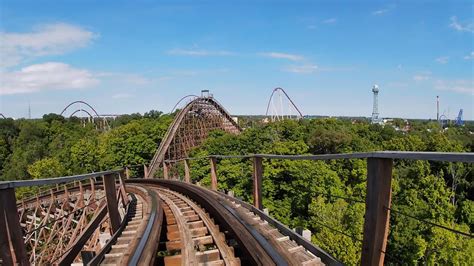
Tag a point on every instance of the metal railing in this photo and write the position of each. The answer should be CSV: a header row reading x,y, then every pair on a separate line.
x,y
378,195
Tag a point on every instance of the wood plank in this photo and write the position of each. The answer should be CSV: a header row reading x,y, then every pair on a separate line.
x,y
112,204
13,225
257,182
5,248
379,177
213,162
187,174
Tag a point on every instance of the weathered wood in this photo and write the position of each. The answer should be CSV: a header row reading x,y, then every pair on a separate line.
x,y
377,214
112,204
53,181
127,173
145,171
70,255
257,182
5,248
187,174
213,162
8,198
165,171
123,191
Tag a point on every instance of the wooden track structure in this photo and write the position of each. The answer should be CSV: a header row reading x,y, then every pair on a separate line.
x,y
189,129
109,218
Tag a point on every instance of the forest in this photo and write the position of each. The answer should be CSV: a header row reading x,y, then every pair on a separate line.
x,y
326,197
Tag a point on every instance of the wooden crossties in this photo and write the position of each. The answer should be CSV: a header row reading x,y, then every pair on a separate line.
x,y
377,204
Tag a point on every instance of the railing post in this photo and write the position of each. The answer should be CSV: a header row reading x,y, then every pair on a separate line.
x,y
257,182
377,214
112,204
187,174
127,172
11,235
145,171
213,162
123,190
165,170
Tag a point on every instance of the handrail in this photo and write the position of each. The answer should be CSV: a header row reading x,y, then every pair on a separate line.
x,y
378,184
56,180
467,157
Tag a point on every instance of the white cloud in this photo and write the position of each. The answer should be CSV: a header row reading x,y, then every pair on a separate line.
x,y
303,69
329,21
382,11
458,26
199,52
122,96
422,76
462,86
442,59
291,57
469,56
48,39
47,76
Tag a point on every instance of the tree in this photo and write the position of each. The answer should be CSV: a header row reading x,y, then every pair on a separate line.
x,y
44,168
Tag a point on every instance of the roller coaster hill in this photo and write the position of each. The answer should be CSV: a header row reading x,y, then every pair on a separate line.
x,y
163,218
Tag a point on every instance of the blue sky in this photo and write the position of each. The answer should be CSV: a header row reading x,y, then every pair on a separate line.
x,y
134,56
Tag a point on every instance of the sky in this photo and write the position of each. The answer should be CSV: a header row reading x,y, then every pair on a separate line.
x,y
135,56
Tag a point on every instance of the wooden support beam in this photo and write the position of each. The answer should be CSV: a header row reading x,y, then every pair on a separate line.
x,y
145,171
127,173
112,204
123,191
165,171
80,241
13,227
5,248
257,182
213,162
187,174
379,177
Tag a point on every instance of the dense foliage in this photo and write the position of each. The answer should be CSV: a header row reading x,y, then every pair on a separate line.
x,y
326,197
55,146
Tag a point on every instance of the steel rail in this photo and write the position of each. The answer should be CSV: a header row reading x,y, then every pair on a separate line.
x,y
81,110
287,96
56,180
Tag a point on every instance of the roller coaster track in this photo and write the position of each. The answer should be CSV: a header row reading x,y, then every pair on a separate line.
x,y
108,218
162,222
